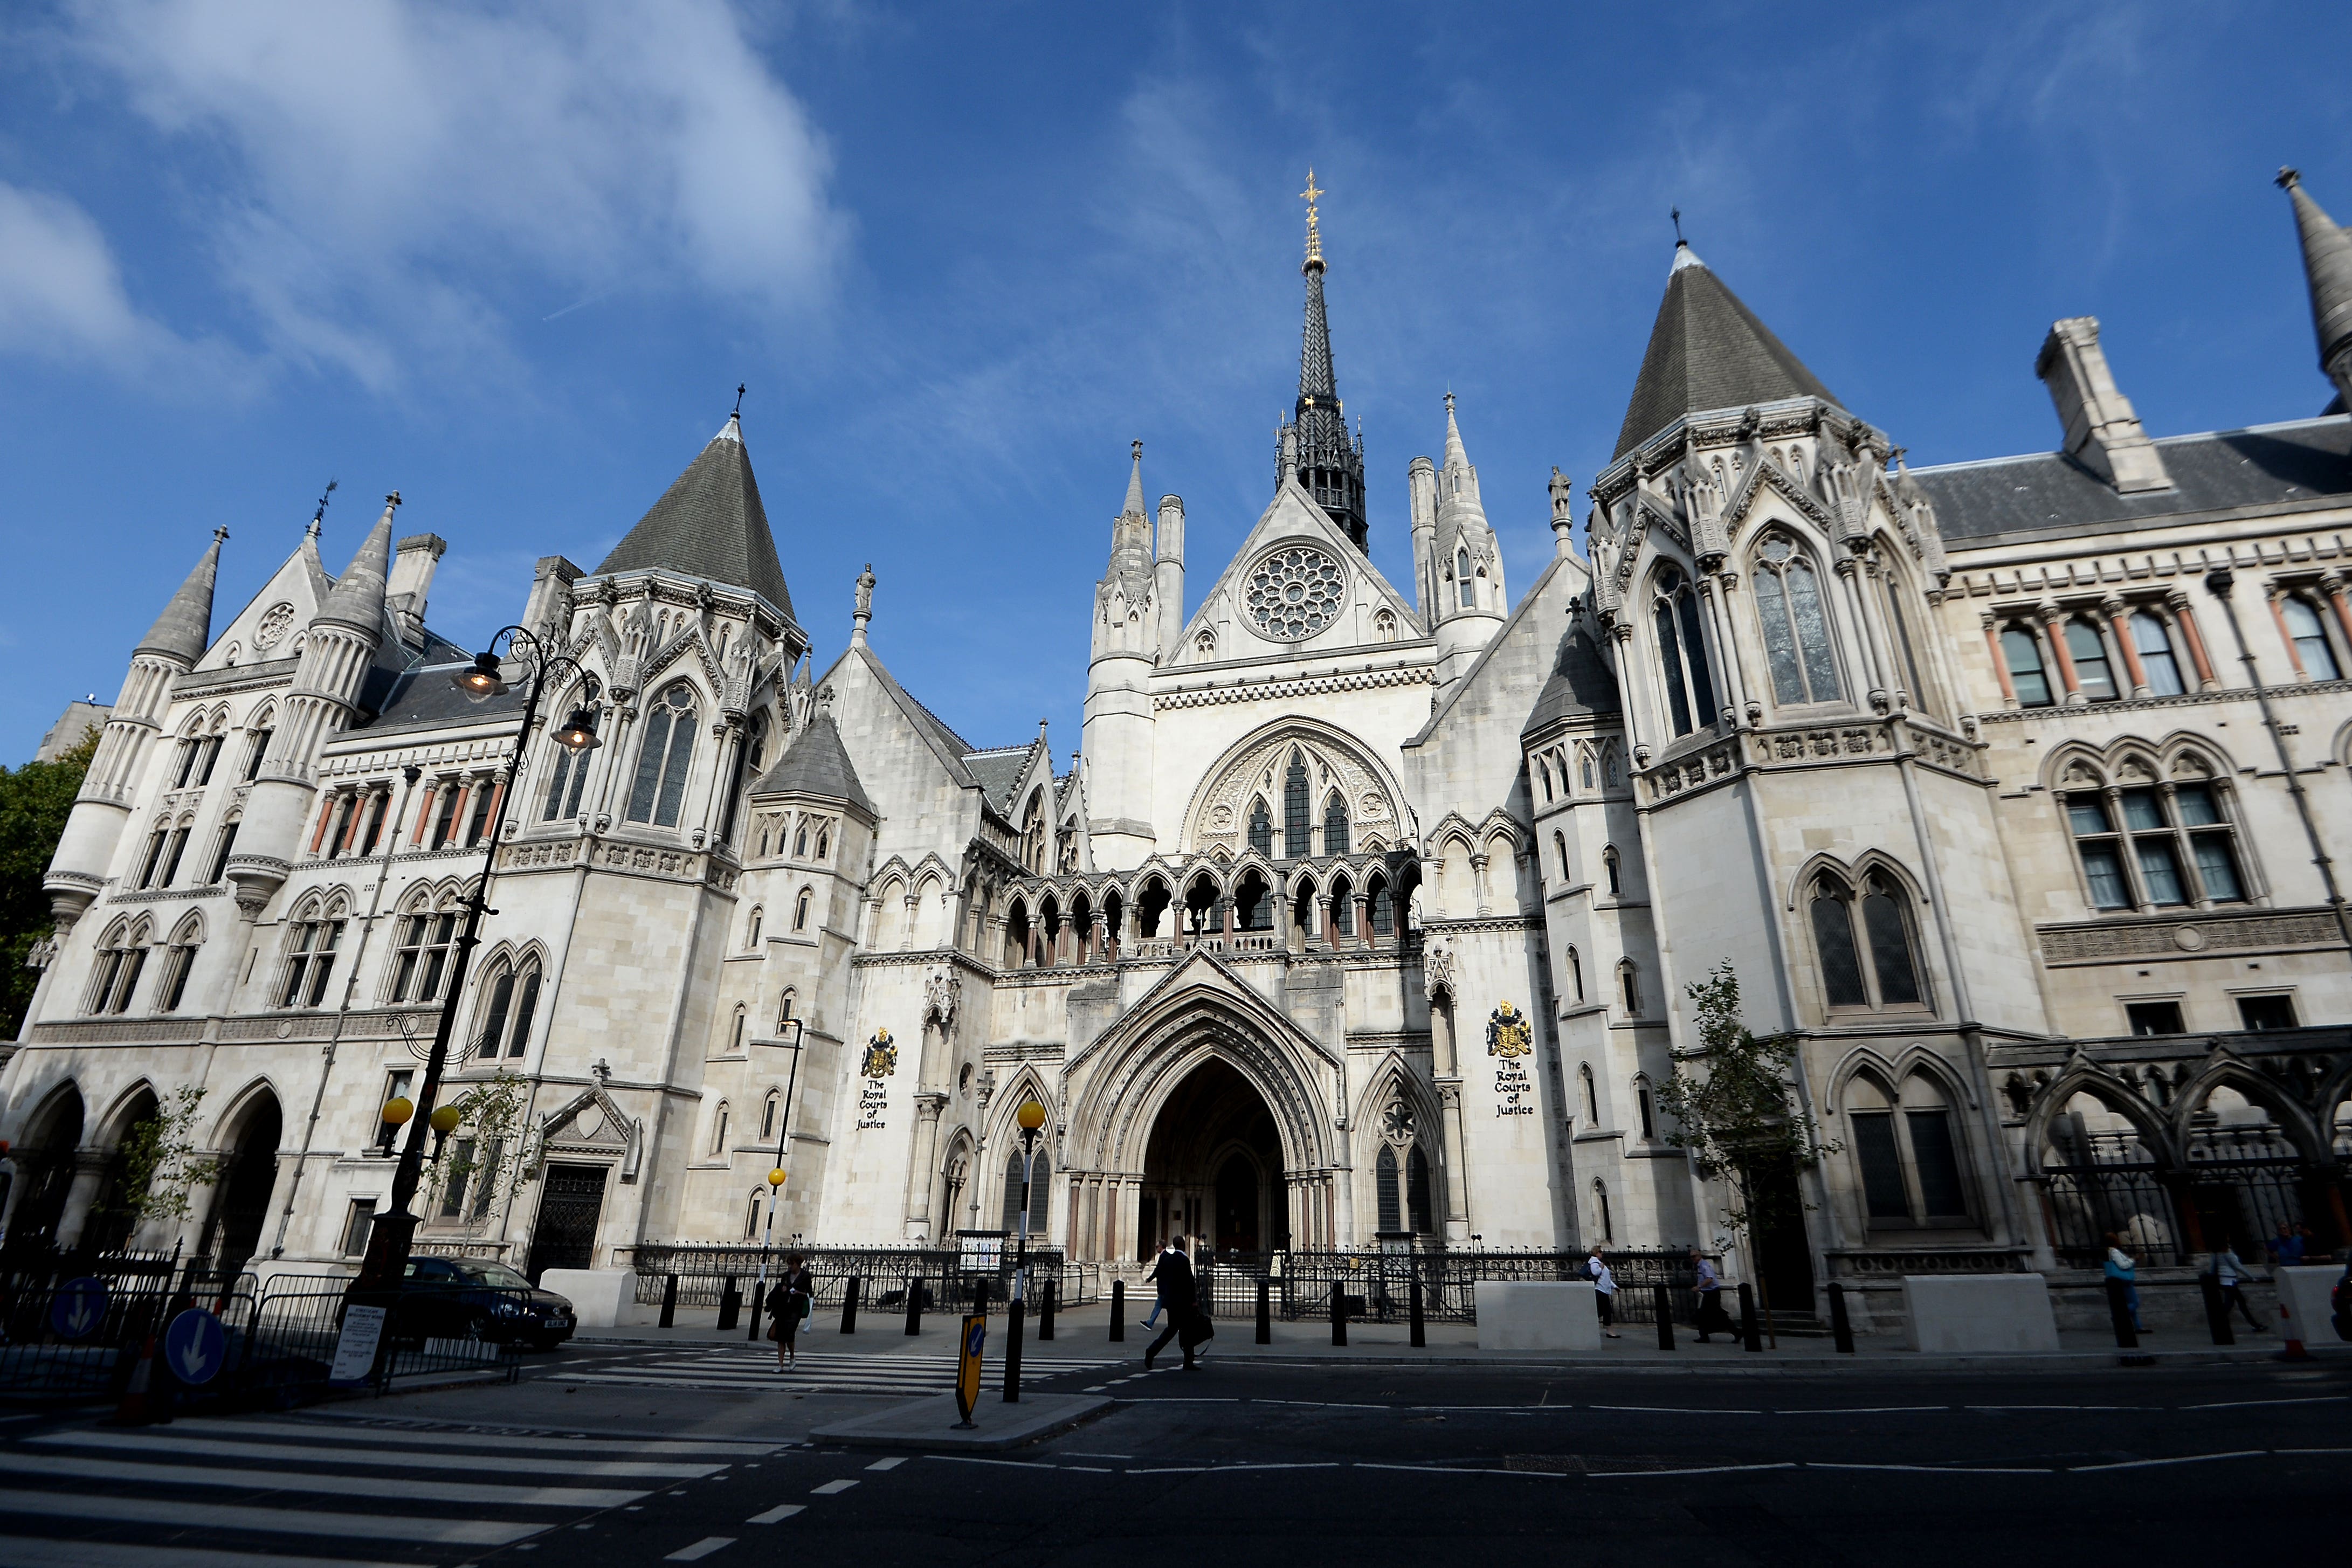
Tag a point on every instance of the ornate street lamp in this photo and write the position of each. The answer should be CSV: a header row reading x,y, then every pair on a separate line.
x,y
1029,1118
389,1240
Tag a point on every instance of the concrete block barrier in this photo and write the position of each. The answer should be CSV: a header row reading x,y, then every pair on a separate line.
x,y
1537,1315
1952,1314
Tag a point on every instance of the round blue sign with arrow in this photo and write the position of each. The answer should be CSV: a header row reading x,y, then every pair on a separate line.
x,y
77,1307
195,1346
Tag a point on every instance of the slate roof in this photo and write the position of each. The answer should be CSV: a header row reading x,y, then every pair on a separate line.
x,y
2221,471
710,524
423,694
817,764
1708,351
1580,683
999,774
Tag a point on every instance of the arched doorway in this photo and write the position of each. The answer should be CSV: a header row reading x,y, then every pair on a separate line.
x,y
1213,1168
249,1173
113,1218
45,1165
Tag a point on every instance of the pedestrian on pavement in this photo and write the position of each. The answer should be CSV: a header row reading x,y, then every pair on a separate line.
x,y
2230,1274
1174,1272
1604,1292
788,1307
1712,1318
1159,1298
2122,1265
2286,1247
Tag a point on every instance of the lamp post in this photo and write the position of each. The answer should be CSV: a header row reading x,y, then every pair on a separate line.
x,y
776,1173
389,1240
1030,1117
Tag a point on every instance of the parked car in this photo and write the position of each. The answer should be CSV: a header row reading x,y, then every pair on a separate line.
x,y
467,1298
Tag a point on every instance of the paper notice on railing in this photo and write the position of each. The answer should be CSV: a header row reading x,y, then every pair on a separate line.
x,y
356,1350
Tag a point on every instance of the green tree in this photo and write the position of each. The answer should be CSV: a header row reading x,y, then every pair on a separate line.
x,y
162,1165
1735,1110
487,1153
34,802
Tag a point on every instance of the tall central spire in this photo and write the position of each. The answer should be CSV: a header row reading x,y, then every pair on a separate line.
x,y
1316,447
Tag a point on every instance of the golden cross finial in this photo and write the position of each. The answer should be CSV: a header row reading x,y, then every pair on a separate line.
x,y
1314,229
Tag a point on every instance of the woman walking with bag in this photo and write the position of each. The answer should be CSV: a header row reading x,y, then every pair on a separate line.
x,y
1604,1292
788,1307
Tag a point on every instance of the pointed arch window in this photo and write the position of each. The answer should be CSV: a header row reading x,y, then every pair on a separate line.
x,y
179,959
1040,1184
260,749
1261,828
1576,972
567,776
1682,654
1559,844
1905,1153
1833,913
1384,1172
1383,908
1795,624
1335,824
506,1022
1602,1219
767,1109
1468,581
1608,869
1869,956
1592,1095
1294,837
1629,983
1646,1106
665,756
421,958
117,972
718,1132
310,959
801,910
1416,1189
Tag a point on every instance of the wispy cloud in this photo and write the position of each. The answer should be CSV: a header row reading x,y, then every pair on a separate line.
x,y
384,185
62,298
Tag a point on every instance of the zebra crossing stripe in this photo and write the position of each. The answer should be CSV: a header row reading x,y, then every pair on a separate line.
x,y
351,1431
560,1462
116,1508
23,1553
402,1486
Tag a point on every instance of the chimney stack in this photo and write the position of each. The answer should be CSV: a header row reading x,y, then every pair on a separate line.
x,y
413,561
2103,433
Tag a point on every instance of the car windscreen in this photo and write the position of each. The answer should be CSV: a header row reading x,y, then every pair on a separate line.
x,y
497,1274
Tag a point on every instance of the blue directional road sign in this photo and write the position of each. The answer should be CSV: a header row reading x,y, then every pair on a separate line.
x,y
78,1307
195,1346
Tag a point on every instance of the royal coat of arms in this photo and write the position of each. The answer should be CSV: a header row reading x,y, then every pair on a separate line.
x,y
1509,1032
881,1055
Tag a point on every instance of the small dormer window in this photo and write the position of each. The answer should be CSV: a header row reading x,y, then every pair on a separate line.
x,y
1466,578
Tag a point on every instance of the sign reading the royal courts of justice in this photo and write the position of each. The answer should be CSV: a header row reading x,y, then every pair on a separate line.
x,y
874,1097
1510,1038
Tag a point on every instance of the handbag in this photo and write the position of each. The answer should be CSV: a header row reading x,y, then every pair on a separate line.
x,y
1197,1329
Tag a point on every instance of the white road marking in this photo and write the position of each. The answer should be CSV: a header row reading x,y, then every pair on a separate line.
x,y
778,1514
889,1463
114,1507
1952,1470
1672,1410
26,1554
2242,1404
1701,1471
2181,1459
1861,1410
557,1462
832,1488
700,1549
353,1431
403,1487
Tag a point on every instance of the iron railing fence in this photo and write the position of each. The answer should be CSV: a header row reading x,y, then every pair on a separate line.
x,y
460,1328
2165,1216
1378,1284
948,1278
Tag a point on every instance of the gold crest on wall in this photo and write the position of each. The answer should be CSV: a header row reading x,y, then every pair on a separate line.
x,y
1509,1032
881,1055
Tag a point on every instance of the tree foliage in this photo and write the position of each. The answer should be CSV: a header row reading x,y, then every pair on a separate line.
x,y
488,1155
1734,1108
35,801
162,1164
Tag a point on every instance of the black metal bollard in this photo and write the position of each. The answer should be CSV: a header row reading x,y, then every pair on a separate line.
x,y
1014,1310
1264,1312
1840,1328
1338,1312
1045,1309
915,1305
2216,1311
1665,1317
1420,1331
758,1300
1749,1330
730,1305
849,1304
1119,1312
2119,1309
669,1301
980,1296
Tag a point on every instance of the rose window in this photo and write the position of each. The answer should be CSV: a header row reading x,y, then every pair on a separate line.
x,y
1295,593
272,628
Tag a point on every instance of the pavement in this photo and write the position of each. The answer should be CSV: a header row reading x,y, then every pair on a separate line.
x,y
614,1455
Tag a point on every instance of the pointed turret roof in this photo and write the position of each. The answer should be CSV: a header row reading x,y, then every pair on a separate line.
x,y
358,598
1317,445
817,764
1130,537
710,524
185,630
1708,351
2326,267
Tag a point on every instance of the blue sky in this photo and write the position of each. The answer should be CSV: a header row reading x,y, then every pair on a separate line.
x,y
512,261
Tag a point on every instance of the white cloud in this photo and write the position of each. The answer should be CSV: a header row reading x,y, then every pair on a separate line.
x,y
383,182
62,295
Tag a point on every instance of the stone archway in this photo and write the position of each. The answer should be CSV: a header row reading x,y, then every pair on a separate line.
x,y
1213,1168
248,1175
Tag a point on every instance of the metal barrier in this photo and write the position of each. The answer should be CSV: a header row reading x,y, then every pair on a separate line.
x,y
948,1278
1377,1286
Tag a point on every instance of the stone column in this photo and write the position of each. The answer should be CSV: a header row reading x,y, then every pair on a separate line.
x,y
1715,593
2053,627
1457,1194
1478,882
326,816
90,1170
2000,661
1364,935
2177,602
2332,584
2118,616
2277,600
461,814
927,1106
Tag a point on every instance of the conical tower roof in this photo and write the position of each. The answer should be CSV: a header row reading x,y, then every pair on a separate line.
x,y
710,524
817,764
185,630
358,598
1708,351
2326,267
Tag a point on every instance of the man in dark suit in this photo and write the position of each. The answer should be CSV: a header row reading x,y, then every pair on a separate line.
x,y
1173,1274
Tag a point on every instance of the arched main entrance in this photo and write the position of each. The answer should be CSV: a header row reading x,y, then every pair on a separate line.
x,y
249,1173
1213,1168
45,1167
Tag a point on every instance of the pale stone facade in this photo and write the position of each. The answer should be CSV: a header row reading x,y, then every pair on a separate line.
x,y
1365,908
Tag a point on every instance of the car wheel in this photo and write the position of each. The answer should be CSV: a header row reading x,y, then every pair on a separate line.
x,y
477,1329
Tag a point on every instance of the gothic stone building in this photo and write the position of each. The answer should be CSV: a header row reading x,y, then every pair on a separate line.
x,y
2008,789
